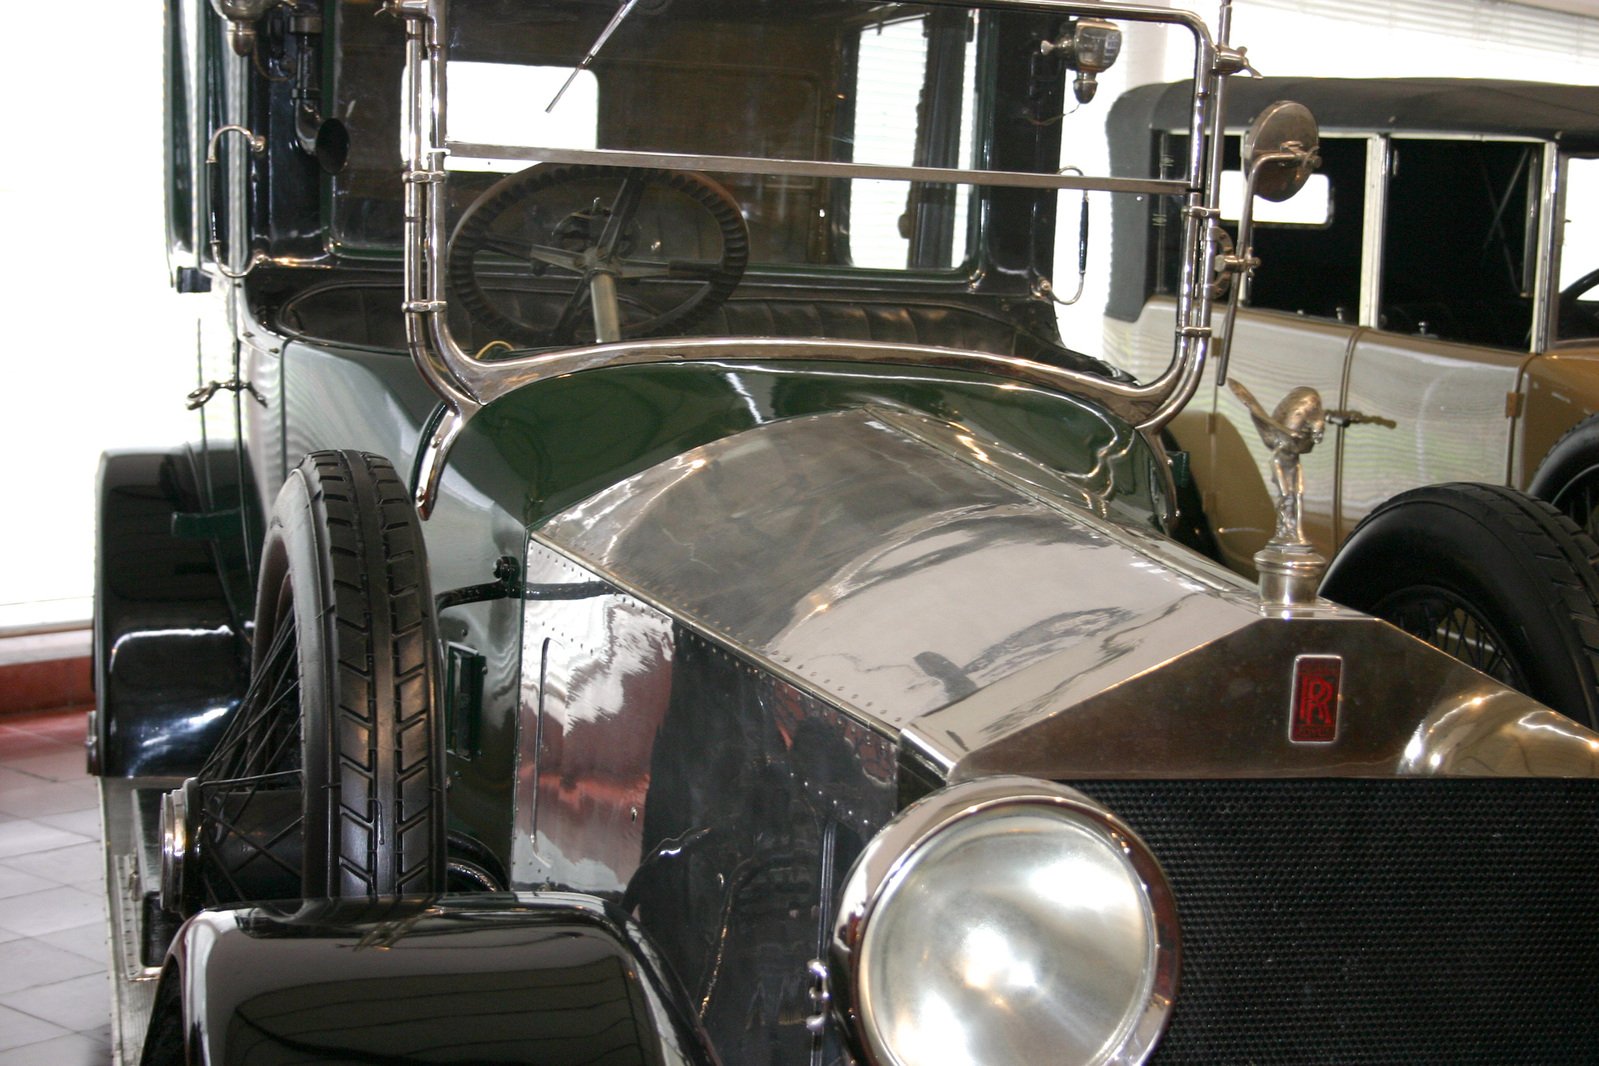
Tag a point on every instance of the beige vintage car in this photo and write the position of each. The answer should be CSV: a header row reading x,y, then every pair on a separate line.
x,y
1438,284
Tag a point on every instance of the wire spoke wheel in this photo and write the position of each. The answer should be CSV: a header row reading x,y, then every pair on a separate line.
x,y
1501,581
1452,625
259,753
1579,501
327,782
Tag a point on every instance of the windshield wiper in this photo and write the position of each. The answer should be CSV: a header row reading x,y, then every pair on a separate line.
x,y
605,35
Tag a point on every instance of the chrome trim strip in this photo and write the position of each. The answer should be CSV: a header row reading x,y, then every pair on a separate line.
x,y
1379,158
1546,277
735,164
490,381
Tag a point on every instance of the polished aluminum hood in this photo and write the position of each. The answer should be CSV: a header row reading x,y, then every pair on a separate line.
x,y
988,613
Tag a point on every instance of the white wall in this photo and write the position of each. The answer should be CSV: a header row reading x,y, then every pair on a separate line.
x,y
89,328
1420,38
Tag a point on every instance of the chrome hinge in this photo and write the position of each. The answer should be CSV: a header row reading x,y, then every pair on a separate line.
x,y
202,396
821,997
1231,61
1514,401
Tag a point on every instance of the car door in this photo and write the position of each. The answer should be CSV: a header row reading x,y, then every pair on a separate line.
x,y
1453,317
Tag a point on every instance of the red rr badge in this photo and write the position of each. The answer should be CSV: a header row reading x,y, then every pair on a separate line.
x,y
1314,713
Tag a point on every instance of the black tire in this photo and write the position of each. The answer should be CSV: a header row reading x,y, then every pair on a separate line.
x,y
328,782
1496,578
1568,477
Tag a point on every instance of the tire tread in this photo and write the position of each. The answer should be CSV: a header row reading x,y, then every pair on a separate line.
x,y
387,807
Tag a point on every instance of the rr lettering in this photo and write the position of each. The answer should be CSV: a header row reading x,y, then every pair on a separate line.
x,y
1314,717
1315,700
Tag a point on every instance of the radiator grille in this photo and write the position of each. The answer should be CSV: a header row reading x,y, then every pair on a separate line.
x,y
1366,921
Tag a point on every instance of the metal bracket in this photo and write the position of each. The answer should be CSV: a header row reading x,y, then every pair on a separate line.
x,y
1233,60
821,995
508,585
403,8
202,396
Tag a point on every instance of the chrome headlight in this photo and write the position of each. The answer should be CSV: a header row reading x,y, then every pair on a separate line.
x,y
1006,920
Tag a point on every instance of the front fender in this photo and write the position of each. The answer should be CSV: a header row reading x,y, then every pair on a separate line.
x,y
171,657
550,978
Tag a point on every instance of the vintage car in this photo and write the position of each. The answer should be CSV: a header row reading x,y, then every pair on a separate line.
x,y
670,597
1436,284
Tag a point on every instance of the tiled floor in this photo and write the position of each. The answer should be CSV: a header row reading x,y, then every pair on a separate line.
x,y
54,993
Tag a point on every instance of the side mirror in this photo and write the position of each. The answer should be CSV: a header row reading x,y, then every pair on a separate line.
x,y
1280,151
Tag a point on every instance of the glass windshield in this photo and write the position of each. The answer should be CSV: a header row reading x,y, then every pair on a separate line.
x,y
838,168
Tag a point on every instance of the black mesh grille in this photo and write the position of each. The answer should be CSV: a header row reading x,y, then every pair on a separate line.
x,y
1378,921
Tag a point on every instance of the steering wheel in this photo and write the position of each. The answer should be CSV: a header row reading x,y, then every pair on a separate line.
x,y
1574,321
596,226
1571,293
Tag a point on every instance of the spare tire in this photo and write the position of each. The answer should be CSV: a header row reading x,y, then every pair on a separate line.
x,y
1502,581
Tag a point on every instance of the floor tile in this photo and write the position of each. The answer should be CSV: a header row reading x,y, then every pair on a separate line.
x,y
14,882
58,764
77,1003
19,744
84,823
58,908
74,1049
18,1029
10,778
28,962
88,941
65,726
54,992
23,836
78,864
52,797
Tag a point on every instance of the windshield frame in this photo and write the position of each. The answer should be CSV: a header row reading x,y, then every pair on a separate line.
x,y
466,383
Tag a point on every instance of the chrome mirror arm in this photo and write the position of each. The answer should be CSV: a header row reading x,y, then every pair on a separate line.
x,y
1240,262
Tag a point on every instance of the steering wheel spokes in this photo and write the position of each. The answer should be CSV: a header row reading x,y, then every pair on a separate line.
x,y
594,228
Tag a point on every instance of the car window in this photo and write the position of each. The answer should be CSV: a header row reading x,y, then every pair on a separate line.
x,y
1309,246
890,81
893,91
1312,267
1461,226
1578,312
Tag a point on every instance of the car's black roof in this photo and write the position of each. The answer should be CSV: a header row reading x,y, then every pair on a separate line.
x,y
1565,113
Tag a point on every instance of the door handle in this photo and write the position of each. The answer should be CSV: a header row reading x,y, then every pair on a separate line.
x,y
1359,418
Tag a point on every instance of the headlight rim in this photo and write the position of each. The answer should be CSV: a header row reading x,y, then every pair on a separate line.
x,y
887,853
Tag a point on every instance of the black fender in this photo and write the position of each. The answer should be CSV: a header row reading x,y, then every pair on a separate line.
x,y
546,978
172,592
